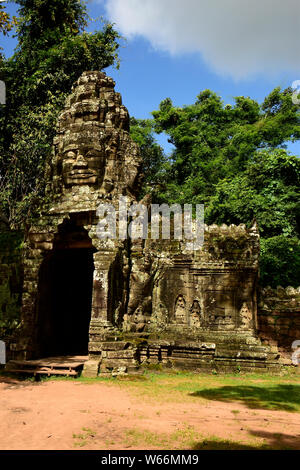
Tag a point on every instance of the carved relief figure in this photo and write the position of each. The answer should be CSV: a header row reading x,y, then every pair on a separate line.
x,y
195,316
246,316
180,310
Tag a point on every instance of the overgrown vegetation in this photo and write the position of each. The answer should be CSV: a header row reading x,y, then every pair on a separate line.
x,y
10,291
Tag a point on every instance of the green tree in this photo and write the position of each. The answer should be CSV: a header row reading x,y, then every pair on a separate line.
x,y
280,261
6,23
155,163
267,190
214,141
53,50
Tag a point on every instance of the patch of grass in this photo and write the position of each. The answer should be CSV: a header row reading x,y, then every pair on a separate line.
x,y
55,378
215,443
187,438
78,436
265,391
89,432
108,443
178,440
82,439
261,391
80,444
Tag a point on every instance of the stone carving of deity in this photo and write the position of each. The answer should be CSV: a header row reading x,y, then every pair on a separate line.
x,y
180,310
195,314
246,316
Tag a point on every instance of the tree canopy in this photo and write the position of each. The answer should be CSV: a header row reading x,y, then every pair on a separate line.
x,y
214,141
6,23
267,190
154,160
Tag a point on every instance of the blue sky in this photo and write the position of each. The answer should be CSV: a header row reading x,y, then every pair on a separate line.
x,y
176,49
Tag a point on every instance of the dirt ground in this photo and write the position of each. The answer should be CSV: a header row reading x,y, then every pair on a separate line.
x,y
65,415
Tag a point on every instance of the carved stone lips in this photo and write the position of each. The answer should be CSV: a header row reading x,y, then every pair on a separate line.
x,y
81,173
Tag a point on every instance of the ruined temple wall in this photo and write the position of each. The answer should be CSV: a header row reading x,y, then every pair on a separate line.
x,y
213,288
279,317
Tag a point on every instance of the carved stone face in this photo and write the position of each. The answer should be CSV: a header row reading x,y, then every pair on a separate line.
x,y
83,164
92,147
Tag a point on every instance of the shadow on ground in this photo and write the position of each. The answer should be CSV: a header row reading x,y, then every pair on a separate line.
x,y
16,380
278,397
279,440
226,445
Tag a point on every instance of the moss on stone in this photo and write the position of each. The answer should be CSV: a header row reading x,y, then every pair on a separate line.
x,y
11,244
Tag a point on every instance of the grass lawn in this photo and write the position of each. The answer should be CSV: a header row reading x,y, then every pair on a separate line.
x,y
265,391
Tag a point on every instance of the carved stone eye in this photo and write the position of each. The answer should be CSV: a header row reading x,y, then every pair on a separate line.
x,y
71,154
92,154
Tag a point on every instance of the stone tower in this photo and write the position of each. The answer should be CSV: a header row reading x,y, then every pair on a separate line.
x,y
94,162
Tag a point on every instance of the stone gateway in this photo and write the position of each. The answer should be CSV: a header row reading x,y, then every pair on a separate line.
x,y
129,303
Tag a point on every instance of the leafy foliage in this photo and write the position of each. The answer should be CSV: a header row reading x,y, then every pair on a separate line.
x,y
11,244
53,50
267,190
6,23
214,141
154,160
280,261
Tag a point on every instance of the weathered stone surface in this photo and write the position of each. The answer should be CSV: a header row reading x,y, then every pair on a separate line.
x,y
11,274
91,369
151,301
279,319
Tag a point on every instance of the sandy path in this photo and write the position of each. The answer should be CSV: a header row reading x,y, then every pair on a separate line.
x,y
47,415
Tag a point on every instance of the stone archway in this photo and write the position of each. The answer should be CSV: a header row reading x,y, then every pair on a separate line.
x,y
65,293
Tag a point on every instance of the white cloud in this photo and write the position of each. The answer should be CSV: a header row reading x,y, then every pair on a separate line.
x,y
239,38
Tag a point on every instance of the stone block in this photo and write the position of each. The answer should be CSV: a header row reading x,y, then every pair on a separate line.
x,y
90,369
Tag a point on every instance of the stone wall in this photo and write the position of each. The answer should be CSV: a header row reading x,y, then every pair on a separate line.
x,y
190,309
10,283
279,318
210,289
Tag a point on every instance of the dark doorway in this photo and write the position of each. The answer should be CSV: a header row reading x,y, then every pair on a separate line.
x,y
65,301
